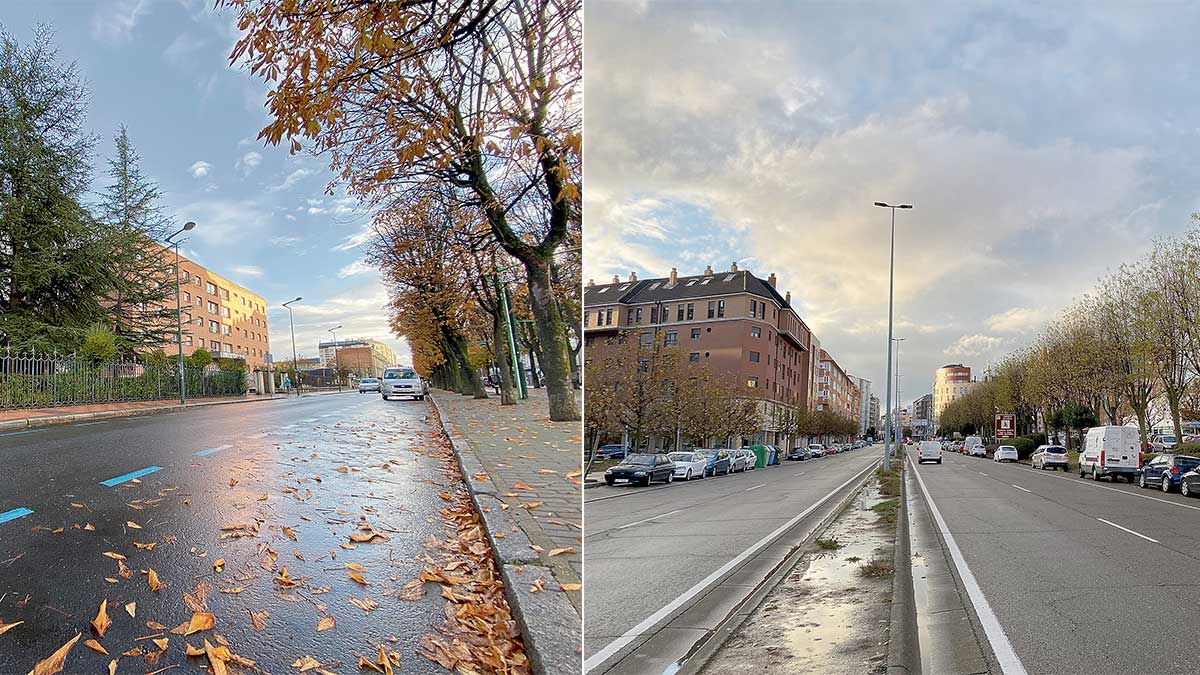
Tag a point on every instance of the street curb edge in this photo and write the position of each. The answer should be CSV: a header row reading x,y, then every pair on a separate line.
x,y
29,422
903,645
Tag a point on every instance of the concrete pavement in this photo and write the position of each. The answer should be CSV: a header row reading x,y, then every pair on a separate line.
x,y
260,487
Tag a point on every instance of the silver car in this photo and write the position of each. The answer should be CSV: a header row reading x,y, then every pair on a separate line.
x,y
403,382
368,384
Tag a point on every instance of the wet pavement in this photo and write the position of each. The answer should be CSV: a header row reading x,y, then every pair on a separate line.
x,y
263,487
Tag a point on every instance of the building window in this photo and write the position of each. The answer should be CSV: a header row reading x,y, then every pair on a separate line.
x,y
672,338
608,317
199,321
225,311
213,326
228,347
187,340
720,308
196,280
653,315
628,317
646,338
712,309
226,330
186,276
695,333
187,297
211,288
638,318
694,357
754,357
680,313
216,346
599,317
754,309
752,382
224,294
586,316
691,308
212,307
755,331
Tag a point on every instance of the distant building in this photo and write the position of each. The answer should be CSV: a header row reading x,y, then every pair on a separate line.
x,y
950,383
361,356
864,398
219,315
873,414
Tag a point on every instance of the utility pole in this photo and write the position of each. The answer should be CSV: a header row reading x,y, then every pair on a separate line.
x,y
337,365
887,450
295,360
179,308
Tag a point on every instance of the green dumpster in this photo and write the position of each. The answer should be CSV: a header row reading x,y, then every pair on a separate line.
x,y
763,453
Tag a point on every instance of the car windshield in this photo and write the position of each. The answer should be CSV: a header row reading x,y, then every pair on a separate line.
x,y
399,374
1007,448
680,456
1168,439
814,447
1056,450
639,459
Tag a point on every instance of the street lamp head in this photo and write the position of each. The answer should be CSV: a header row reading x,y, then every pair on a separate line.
x,y
188,225
905,206
882,204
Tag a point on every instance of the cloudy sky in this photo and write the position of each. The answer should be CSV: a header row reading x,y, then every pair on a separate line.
x,y
263,218
1041,146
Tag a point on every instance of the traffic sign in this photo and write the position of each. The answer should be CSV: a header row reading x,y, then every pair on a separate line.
x,y
1006,425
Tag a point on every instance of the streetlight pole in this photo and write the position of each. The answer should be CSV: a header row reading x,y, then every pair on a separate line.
x,y
179,308
899,398
337,365
295,360
887,449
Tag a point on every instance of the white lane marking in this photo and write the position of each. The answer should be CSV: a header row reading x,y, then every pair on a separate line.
x,y
262,435
651,621
1021,488
1010,663
1104,487
982,473
755,487
646,520
1126,529
289,426
310,419
798,474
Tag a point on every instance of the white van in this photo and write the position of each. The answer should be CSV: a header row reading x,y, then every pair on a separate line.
x,y
970,442
929,451
1110,451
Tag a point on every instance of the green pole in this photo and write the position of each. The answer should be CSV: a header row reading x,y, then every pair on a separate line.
x,y
518,372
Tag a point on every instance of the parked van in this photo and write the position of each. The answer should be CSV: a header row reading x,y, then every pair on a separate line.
x,y
969,445
930,451
1110,451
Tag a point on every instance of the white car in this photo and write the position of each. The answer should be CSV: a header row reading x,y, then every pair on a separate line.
x,y
1005,453
751,459
977,450
688,465
1163,443
929,451
368,384
816,450
1049,456
403,382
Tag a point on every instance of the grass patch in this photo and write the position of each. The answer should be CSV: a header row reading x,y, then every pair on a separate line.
x,y
600,465
889,481
887,510
877,568
830,544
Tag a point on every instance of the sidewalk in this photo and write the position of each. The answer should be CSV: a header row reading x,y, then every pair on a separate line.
x,y
19,418
524,475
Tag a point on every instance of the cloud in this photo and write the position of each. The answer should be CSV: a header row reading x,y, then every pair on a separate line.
x,y
973,345
224,223
356,267
248,270
291,179
286,241
1017,321
364,235
248,162
181,48
200,169
361,310
114,22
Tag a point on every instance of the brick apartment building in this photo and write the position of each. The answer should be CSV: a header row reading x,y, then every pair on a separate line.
x,y
733,322
363,357
836,391
225,318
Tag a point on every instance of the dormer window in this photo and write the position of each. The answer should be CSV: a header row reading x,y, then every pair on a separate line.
x,y
728,278
623,288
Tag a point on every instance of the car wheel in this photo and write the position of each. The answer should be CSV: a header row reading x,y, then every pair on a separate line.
x,y
1142,481
670,477
688,477
1183,488
1096,474
609,481
939,461
383,396
1166,483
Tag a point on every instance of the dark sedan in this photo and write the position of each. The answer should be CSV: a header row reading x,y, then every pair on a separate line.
x,y
1166,471
719,461
642,469
611,452
798,454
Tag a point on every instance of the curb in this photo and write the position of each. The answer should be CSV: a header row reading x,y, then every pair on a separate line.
x,y
30,422
699,659
903,646
541,616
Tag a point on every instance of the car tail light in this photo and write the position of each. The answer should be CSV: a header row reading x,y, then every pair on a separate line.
x,y
1101,458
1174,469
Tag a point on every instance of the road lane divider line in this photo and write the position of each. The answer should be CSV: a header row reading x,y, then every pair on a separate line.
x,y
14,514
310,419
130,476
1010,663
704,584
798,474
982,473
755,487
26,431
209,451
1126,529
260,435
1093,484
1021,488
646,520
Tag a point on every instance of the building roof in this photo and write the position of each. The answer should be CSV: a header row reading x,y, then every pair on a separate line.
x,y
657,290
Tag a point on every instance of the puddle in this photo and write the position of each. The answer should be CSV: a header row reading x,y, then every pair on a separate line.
x,y
825,617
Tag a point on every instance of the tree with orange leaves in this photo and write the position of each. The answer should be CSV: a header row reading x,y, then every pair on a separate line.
x,y
479,95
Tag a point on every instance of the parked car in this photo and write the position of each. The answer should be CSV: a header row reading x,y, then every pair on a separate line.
x,y
1005,453
717,461
1166,470
799,454
642,468
611,452
977,450
929,451
751,459
688,465
368,384
1163,443
403,382
816,450
1110,451
1189,483
737,461
1049,457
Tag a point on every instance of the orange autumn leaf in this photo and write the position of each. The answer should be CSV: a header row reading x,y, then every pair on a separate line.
x,y
101,622
530,505
152,579
54,663
570,587
356,567
112,667
219,564
326,623
561,551
5,627
200,621
359,578
114,556
133,525
290,533
95,646
131,608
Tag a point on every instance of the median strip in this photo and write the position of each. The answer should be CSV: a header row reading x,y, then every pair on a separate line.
x,y
130,476
14,514
1126,529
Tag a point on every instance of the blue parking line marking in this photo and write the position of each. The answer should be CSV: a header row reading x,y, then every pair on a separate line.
x,y
14,514
130,476
210,451
27,431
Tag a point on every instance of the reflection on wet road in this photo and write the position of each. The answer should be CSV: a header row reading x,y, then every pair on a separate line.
x,y
342,491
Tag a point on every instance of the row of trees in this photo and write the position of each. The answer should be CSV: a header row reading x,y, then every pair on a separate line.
x,y
653,392
69,261
1129,350
459,125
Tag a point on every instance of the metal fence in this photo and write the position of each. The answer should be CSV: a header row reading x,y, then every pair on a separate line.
x,y
40,380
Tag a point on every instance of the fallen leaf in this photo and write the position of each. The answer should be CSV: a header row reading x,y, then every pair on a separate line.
x,y
234,590
326,623
5,627
290,533
232,482
77,506
219,564
356,567
258,619
89,527
54,663
215,659
147,547
154,625
101,622
114,556
95,646
537,586
152,579
162,643
366,604
200,621
306,663
359,578
364,664
112,667
530,505
131,524
123,571
131,608
571,587
561,551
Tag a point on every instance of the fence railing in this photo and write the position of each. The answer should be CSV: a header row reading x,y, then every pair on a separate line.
x,y
40,380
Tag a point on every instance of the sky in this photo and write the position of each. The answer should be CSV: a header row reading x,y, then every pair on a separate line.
x,y
1041,146
264,218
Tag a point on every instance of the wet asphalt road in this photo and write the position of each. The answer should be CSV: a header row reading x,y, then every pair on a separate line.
x,y
222,466
647,546
1075,594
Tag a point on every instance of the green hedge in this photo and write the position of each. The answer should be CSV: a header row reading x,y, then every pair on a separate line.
x,y
101,384
1192,449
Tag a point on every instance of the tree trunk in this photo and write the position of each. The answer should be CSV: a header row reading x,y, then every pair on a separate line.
x,y
563,407
533,369
1173,402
